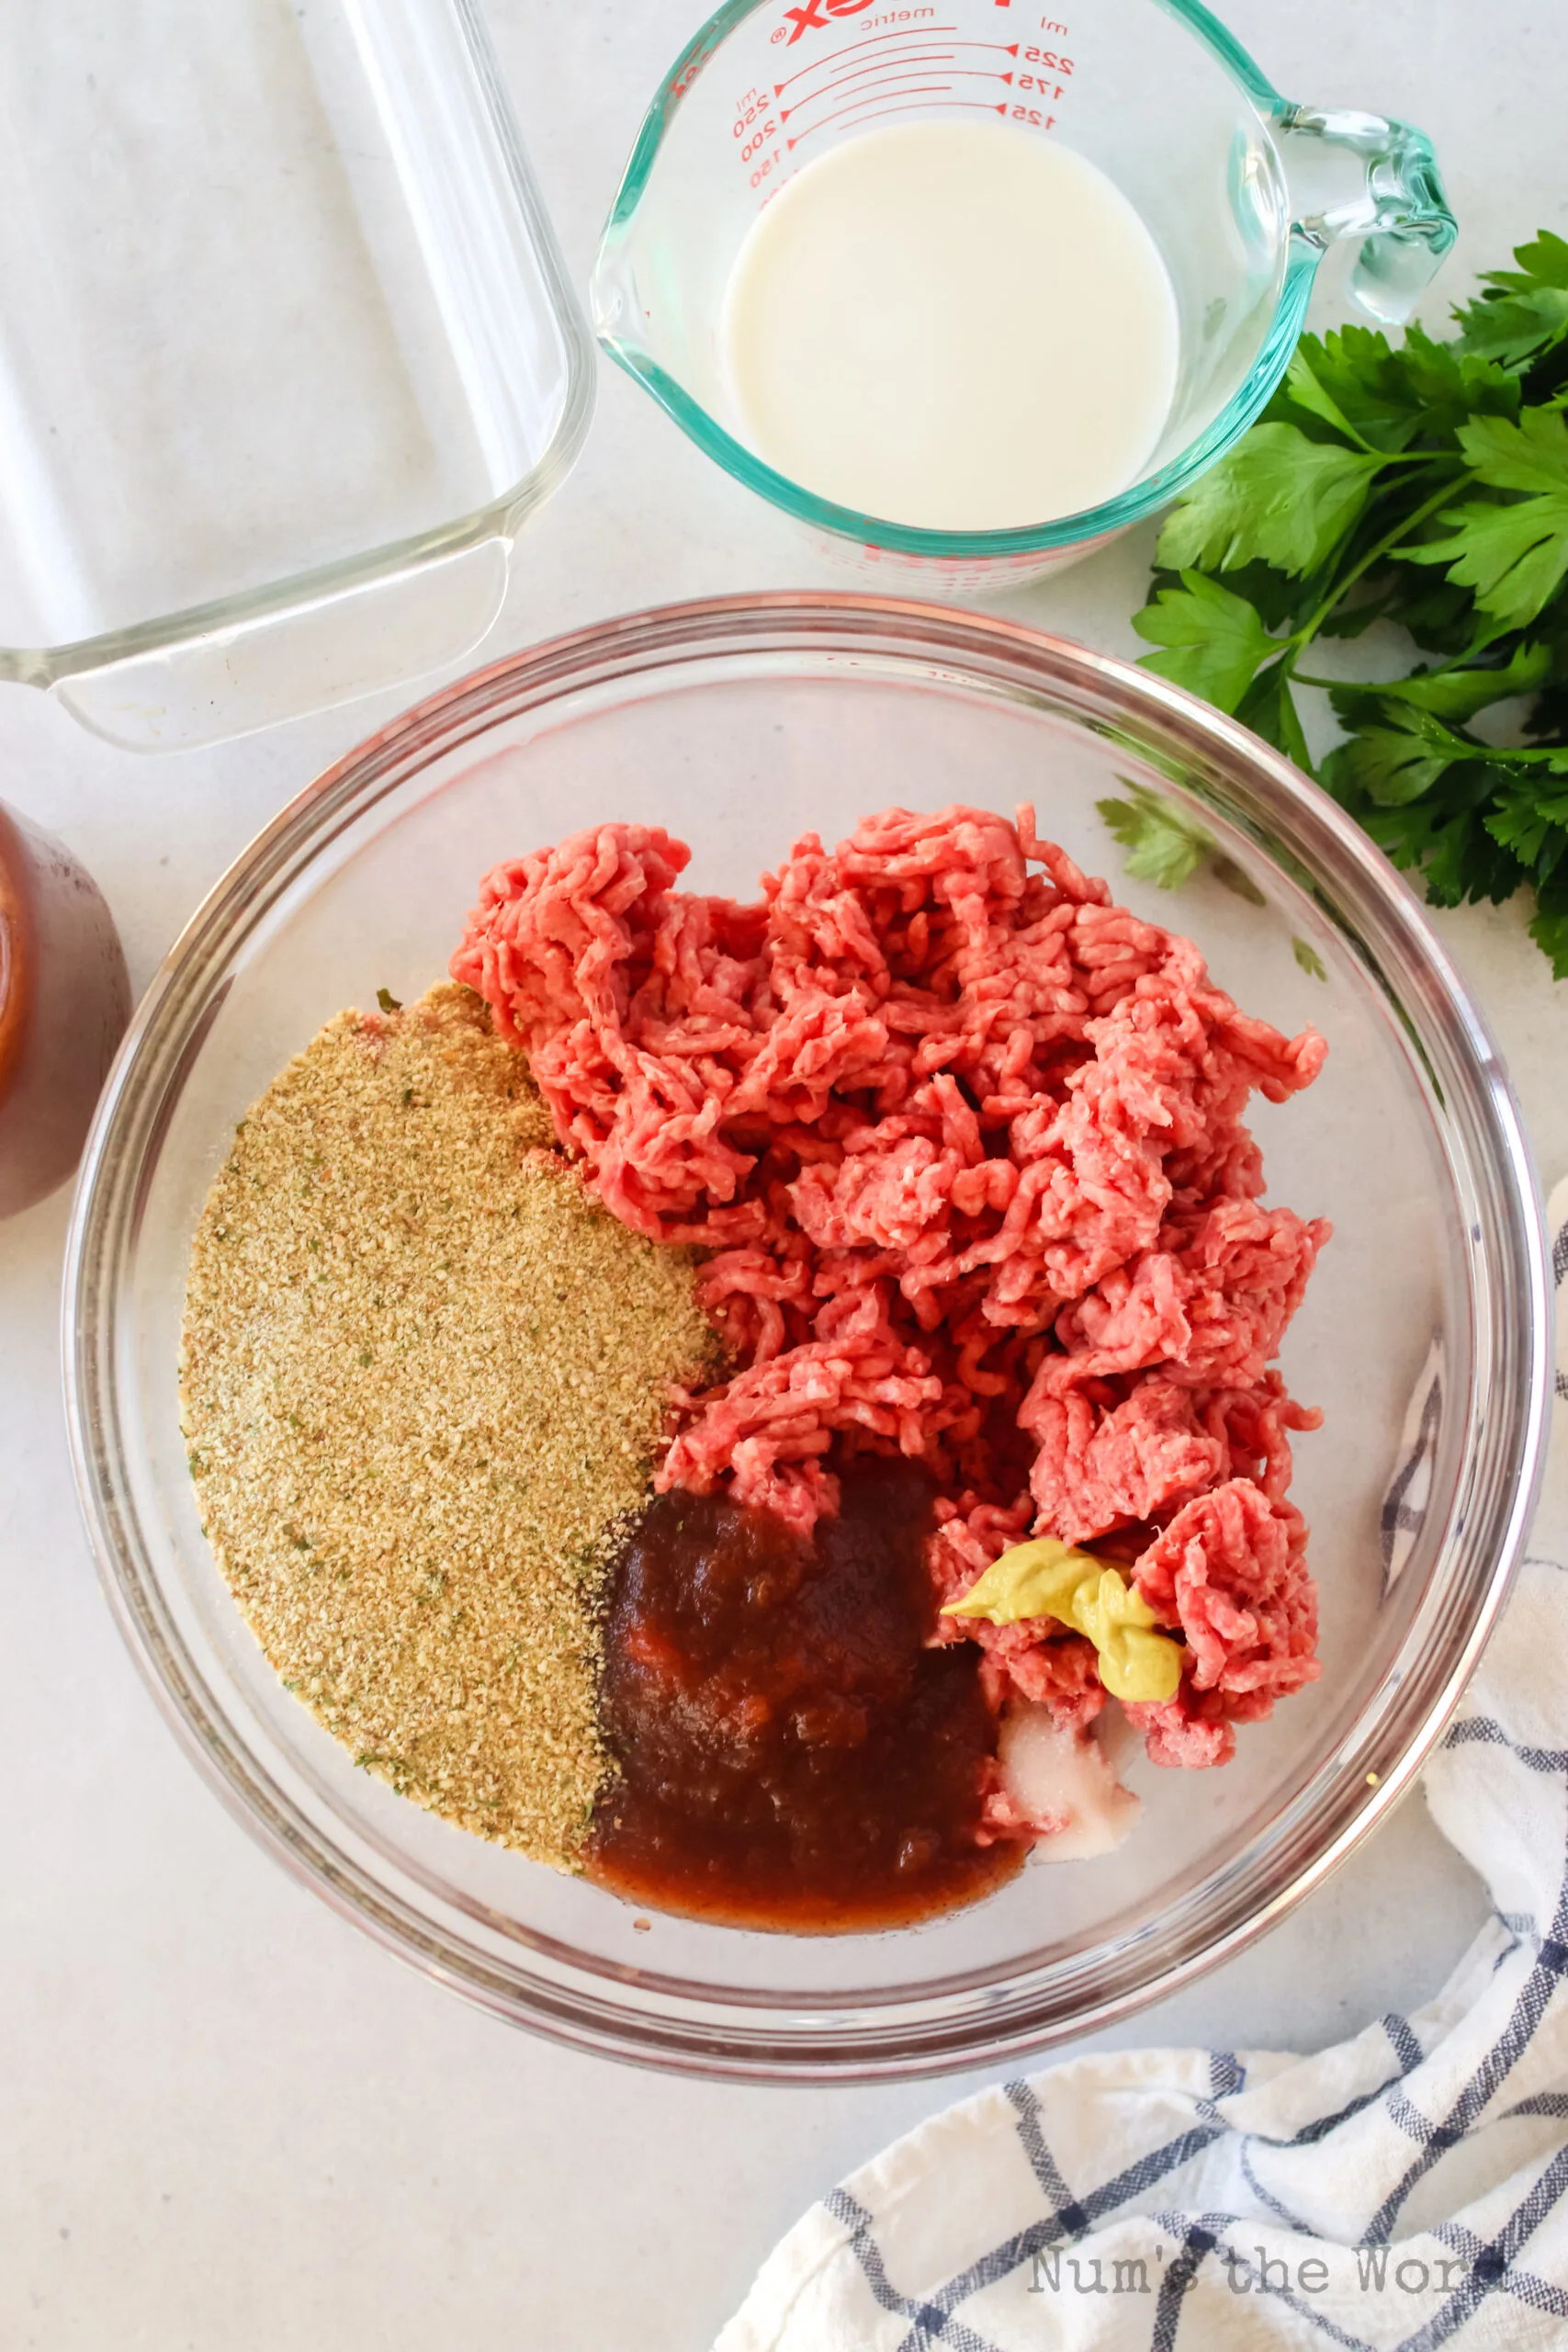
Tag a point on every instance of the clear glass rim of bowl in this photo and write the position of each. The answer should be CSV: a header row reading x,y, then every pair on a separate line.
x,y
1409,164
680,2027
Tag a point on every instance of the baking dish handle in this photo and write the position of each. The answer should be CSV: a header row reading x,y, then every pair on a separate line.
x,y
222,681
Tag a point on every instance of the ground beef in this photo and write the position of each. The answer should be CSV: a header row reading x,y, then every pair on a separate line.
x,y
965,1143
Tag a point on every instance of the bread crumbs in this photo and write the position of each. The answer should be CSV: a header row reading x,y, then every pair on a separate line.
x,y
423,1377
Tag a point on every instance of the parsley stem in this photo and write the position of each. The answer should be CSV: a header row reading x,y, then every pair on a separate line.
x,y
1303,636
1465,660
1511,754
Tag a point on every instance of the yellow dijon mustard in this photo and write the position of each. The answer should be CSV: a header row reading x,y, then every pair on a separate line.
x,y
1047,1578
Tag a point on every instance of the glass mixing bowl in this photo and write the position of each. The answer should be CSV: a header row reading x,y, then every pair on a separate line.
x,y
741,723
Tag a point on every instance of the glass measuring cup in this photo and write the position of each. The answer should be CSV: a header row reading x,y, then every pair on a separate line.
x,y
1243,190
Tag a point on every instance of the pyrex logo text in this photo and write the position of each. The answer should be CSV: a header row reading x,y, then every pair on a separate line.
x,y
816,12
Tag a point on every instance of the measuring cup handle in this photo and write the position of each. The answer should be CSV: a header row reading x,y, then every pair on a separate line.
x,y
1359,176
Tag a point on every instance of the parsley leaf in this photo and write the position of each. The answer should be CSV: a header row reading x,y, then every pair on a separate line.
x,y
1163,846
1514,330
1349,379
1531,454
1401,756
1544,262
1523,315
1514,556
1216,641
1550,932
1465,862
1533,824
1276,498
1278,602
1309,389
1424,486
1268,707
1455,695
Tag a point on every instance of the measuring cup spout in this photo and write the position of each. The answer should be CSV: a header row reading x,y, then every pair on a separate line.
x,y
1354,176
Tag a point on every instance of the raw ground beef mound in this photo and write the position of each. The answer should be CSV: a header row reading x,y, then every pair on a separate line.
x,y
964,1144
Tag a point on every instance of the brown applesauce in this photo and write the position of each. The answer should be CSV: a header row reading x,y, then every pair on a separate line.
x,y
791,1755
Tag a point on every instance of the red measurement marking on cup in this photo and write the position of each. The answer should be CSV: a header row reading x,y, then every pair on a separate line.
x,y
887,89
982,106
813,15
884,61
877,41
907,90
890,65
944,57
757,119
1044,74
905,56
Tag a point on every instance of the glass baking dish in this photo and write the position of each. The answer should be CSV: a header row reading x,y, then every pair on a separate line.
x,y
287,354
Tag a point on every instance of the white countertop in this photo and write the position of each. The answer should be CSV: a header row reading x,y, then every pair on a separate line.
x,y
227,2121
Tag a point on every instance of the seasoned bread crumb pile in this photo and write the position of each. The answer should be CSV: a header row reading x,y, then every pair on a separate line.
x,y
423,1376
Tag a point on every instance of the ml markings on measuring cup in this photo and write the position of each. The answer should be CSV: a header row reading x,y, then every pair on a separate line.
x,y
879,40
878,74
903,93
923,56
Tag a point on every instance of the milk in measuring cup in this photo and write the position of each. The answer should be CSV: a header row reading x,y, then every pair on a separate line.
x,y
955,325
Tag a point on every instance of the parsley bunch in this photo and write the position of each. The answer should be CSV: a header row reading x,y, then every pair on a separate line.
x,y
1427,485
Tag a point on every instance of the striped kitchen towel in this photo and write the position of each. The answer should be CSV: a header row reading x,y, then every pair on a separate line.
x,y
1403,2191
